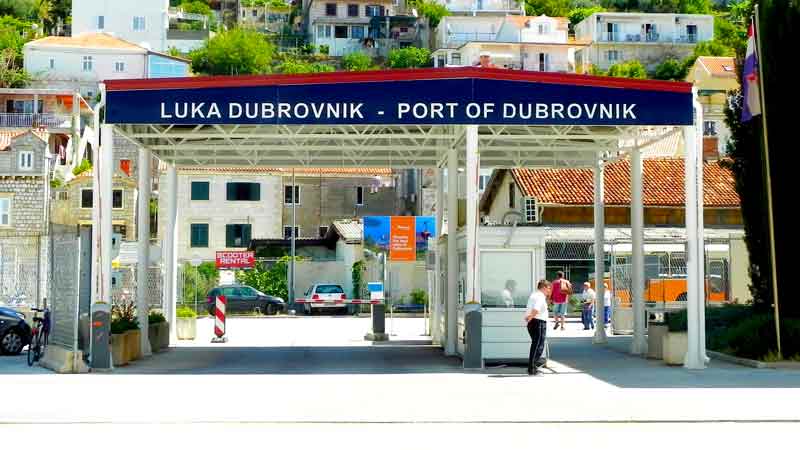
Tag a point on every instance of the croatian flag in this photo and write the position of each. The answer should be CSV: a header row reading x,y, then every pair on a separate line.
x,y
751,103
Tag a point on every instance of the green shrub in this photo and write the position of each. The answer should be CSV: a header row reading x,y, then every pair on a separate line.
x,y
677,321
156,317
184,312
754,337
120,325
84,166
356,62
409,57
419,297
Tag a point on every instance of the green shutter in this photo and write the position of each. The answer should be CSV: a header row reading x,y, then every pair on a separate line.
x,y
246,235
200,190
231,191
255,191
199,235
229,234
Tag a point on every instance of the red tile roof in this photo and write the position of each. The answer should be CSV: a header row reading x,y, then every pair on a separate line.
x,y
719,66
366,171
663,184
6,136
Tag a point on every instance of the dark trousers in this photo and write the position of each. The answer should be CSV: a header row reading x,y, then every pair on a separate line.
x,y
586,317
537,329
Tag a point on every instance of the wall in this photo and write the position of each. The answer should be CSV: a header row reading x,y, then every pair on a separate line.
x,y
631,24
511,32
454,31
650,55
314,272
27,204
263,215
68,72
9,158
497,6
69,212
162,67
325,199
119,19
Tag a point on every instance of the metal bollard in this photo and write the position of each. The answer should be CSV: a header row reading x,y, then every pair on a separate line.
x,y
378,332
473,355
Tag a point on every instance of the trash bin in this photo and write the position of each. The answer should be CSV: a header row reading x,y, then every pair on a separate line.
x,y
656,330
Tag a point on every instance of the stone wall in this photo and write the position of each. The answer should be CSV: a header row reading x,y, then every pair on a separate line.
x,y
27,203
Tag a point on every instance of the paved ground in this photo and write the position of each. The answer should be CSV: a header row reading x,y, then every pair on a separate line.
x,y
320,375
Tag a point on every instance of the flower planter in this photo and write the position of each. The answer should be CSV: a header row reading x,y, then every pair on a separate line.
x,y
153,331
674,347
187,328
163,336
118,354
133,344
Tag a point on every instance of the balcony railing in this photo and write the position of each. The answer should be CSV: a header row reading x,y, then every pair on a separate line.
x,y
483,6
455,40
46,120
608,36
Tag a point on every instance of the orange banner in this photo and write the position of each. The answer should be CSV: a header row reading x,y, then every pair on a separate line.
x,y
403,243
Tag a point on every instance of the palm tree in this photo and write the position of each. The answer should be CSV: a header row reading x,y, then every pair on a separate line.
x,y
43,10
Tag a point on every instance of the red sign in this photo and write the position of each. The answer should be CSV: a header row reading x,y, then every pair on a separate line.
x,y
236,260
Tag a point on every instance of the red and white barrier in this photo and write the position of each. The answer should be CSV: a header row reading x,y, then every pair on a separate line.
x,y
354,301
219,319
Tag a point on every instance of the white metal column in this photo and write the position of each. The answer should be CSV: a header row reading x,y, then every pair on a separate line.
x,y
639,345
436,306
103,172
473,258
451,313
695,304
170,248
599,250
143,250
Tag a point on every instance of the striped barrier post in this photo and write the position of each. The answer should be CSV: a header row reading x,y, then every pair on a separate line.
x,y
219,320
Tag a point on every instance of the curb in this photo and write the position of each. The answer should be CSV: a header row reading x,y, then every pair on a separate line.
x,y
737,360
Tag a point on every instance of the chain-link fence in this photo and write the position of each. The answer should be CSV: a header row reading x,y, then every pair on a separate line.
x,y
22,270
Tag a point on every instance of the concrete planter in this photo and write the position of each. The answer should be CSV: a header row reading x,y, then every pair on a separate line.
x,y
118,354
674,347
158,334
133,344
186,328
655,340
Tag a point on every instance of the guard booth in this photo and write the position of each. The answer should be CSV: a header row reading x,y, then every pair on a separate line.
x,y
446,119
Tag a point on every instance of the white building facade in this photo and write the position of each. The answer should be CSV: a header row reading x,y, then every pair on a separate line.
x,y
82,62
649,38
344,25
514,42
483,7
223,211
142,22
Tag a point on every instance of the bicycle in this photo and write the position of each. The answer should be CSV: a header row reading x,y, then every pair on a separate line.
x,y
39,335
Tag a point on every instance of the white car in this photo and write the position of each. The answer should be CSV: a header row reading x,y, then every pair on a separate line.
x,y
325,296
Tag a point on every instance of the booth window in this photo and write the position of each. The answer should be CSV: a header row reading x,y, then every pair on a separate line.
x,y
506,278
249,192
237,235
199,235
200,190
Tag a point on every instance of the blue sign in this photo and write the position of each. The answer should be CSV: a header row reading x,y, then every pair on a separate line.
x,y
491,97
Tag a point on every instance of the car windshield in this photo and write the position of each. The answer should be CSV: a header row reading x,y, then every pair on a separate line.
x,y
329,289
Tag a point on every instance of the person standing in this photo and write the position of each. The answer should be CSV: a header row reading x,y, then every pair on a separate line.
x,y
508,293
606,305
536,320
561,288
589,297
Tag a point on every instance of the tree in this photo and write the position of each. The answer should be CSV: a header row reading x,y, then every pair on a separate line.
x,y
199,7
16,8
294,66
435,12
269,280
552,8
356,62
577,15
409,57
628,69
11,74
234,52
43,10
671,69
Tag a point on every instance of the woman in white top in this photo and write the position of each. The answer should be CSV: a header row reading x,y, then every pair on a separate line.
x,y
536,320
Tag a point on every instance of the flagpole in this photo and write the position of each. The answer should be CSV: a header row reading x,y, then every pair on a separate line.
x,y
768,178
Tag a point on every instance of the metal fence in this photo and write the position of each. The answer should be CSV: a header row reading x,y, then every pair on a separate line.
x,y
22,269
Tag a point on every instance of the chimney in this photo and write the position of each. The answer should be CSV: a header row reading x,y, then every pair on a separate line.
x,y
710,148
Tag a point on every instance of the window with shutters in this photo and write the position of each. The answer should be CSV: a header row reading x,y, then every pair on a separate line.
x,y
247,192
26,160
237,235
199,235
287,195
116,199
200,190
531,211
86,198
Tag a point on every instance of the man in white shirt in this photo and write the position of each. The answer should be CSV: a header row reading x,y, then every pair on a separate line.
x,y
536,319
508,293
589,297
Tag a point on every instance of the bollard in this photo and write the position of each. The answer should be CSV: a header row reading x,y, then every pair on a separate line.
x,y
219,321
378,332
473,356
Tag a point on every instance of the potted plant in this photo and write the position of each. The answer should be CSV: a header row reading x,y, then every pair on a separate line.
x,y
118,328
133,340
186,323
675,342
157,331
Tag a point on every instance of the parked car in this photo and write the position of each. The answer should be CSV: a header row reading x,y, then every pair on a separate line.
x,y
325,296
15,333
241,298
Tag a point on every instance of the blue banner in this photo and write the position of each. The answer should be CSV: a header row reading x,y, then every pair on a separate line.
x,y
432,101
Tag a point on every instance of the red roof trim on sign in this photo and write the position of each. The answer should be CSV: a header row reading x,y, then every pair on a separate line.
x,y
378,76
